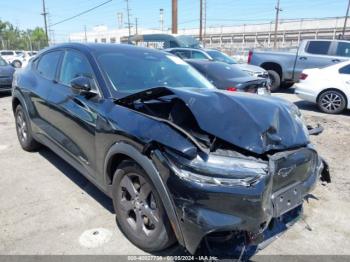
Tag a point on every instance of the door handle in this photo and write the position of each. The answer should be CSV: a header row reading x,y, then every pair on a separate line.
x,y
79,103
335,60
347,82
303,58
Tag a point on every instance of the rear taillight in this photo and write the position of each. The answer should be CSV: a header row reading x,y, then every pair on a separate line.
x,y
302,76
250,54
232,89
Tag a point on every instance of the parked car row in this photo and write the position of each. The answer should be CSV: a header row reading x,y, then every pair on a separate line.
x,y
17,58
182,161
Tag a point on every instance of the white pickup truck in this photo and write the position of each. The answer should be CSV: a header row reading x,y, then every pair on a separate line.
x,y
284,68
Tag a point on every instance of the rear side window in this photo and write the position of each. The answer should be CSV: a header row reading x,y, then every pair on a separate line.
x,y
198,55
318,47
184,54
343,49
7,53
47,65
345,70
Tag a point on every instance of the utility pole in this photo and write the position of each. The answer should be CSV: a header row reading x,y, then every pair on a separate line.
x,y
174,17
161,19
120,20
85,35
346,19
128,14
44,14
201,20
278,10
204,20
136,29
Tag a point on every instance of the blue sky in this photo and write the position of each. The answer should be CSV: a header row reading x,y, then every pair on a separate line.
x,y
26,13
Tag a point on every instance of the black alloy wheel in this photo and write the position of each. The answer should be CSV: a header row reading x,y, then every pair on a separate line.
x,y
24,134
139,211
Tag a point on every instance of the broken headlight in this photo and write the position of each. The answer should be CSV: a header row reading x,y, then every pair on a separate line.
x,y
218,169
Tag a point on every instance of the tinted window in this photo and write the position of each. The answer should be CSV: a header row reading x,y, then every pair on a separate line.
x,y
345,70
318,47
198,55
184,54
7,53
47,65
2,62
343,49
74,65
137,70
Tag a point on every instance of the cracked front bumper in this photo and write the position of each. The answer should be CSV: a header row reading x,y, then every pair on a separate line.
x,y
205,210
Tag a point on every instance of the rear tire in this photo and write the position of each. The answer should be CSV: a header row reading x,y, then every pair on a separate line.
x,y
139,210
24,133
287,84
331,102
275,80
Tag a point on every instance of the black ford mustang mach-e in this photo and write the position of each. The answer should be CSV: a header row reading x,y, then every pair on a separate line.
x,y
182,161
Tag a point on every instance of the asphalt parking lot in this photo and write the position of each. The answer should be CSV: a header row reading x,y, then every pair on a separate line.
x,y
46,207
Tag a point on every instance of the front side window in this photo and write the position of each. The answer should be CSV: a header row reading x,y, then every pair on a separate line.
x,y
343,49
135,71
47,65
74,65
318,47
345,70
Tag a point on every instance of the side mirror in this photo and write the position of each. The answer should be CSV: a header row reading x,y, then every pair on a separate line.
x,y
81,85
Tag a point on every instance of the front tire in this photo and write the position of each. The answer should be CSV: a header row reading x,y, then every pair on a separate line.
x,y
331,102
275,80
24,134
139,210
17,64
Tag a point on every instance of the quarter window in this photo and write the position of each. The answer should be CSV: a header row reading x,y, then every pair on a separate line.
x,y
318,47
343,49
48,63
74,65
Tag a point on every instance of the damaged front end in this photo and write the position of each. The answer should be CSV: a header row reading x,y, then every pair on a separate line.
x,y
240,177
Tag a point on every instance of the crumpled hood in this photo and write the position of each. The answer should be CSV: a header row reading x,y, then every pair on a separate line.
x,y
254,123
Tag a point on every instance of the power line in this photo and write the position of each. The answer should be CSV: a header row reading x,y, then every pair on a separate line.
x,y
128,14
81,13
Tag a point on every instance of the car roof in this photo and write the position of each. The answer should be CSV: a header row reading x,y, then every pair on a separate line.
x,y
185,48
103,47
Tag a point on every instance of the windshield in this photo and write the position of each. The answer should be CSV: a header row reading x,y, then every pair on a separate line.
x,y
2,62
219,56
136,71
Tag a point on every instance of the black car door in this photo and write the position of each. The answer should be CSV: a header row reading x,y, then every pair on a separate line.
x,y
43,73
74,115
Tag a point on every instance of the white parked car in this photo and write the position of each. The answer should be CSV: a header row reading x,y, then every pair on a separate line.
x,y
328,87
13,57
